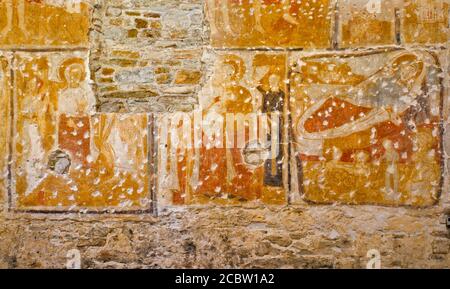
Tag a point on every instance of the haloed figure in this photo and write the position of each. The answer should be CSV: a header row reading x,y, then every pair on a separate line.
x,y
273,102
74,107
73,100
219,11
19,7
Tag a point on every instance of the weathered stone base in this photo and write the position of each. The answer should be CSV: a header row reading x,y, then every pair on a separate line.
x,y
277,237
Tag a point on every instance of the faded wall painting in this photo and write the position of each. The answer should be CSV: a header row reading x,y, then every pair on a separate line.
x,y
270,23
231,150
425,21
31,23
66,157
367,127
5,97
364,22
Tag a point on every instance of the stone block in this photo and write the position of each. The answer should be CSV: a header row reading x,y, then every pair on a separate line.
x,y
66,157
44,23
366,127
220,164
366,23
5,119
425,21
290,24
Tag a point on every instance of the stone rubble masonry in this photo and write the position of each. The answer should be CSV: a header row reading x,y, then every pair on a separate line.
x,y
149,56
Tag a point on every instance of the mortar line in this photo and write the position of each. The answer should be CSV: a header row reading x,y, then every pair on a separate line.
x,y
152,164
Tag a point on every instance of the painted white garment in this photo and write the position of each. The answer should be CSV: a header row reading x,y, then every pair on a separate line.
x,y
72,6
312,143
34,166
122,155
75,101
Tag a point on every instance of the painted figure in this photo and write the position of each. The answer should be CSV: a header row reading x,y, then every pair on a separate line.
x,y
231,162
273,102
74,100
39,101
269,23
19,7
44,23
391,158
368,136
381,92
74,109
219,11
232,98
66,158
428,22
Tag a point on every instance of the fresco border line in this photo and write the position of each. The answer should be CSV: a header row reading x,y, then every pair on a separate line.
x,y
81,211
262,49
44,49
441,127
11,131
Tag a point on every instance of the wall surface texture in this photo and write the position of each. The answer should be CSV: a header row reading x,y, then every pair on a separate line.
x,y
224,134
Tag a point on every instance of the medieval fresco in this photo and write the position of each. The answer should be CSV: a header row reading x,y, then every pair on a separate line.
x,y
425,21
230,150
366,127
44,23
367,22
65,156
271,116
270,23
5,98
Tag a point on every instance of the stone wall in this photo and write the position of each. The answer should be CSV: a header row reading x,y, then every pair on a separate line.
x,y
89,162
150,56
